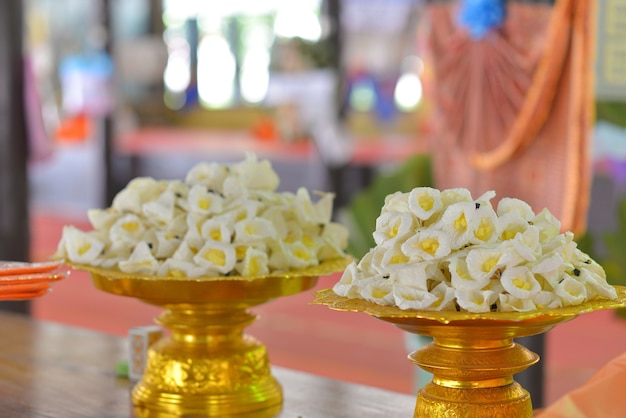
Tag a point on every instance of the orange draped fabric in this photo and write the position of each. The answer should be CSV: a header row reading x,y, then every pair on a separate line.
x,y
514,109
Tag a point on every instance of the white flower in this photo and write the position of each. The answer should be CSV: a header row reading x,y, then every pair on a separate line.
x,y
103,219
136,193
572,292
451,196
456,221
510,303
511,224
515,207
550,267
425,202
141,261
210,175
392,227
79,246
414,275
393,257
204,201
299,255
445,297
461,277
547,300
595,284
253,230
407,297
217,256
184,252
372,260
255,263
482,263
219,228
128,228
180,269
346,286
160,211
526,245
549,226
476,301
256,175
166,244
520,282
304,208
379,291
484,224
396,202
427,245
334,240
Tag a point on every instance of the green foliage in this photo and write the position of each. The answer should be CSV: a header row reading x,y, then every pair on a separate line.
x,y
614,262
612,112
364,208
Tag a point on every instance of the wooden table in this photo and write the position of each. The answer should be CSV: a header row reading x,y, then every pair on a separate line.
x,y
56,371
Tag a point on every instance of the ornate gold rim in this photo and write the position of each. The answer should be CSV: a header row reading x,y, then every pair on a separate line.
x,y
339,303
325,268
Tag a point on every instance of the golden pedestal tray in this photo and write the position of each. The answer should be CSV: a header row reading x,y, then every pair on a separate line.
x,y
208,366
472,357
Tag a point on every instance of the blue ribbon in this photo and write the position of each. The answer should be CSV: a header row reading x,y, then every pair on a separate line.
x,y
480,17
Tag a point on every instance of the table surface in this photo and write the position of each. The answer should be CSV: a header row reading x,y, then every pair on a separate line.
x,y
53,370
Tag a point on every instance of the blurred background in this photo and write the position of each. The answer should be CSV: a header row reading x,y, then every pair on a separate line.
x,y
337,94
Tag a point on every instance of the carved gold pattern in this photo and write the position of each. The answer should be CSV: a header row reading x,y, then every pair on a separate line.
x,y
472,357
208,366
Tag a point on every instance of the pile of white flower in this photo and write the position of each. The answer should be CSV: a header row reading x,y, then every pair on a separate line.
x,y
443,250
223,220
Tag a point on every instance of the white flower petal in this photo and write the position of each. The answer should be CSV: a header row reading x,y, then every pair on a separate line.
x,y
427,245
380,292
407,297
520,282
476,301
217,256
451,196
482,263
204,201
141,261
81,247
392,227
516,207
425,202
461,278
572,292
509,303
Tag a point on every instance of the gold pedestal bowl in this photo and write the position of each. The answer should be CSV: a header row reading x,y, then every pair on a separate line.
x,y
208,366
473,356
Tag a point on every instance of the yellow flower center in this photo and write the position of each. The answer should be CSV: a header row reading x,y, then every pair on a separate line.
x,y
308,241
130,226
84,248
204,203
489,264
217,257
429,245
216,234
393,231
302,254
485,230
426,202
379,293
253,266
511,232
398,259
461,223
176,273
521,284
